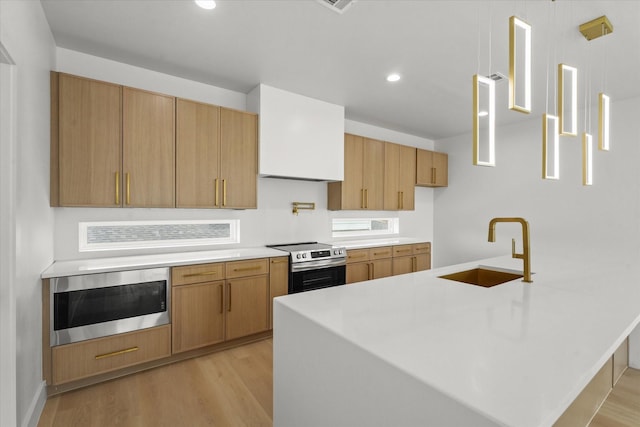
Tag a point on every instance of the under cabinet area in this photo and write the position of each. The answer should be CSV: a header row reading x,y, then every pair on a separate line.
x,y
116,146
383,261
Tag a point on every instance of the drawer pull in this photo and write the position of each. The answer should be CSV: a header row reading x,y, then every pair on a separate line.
x,y
279,261
403,250
380,253
257,267
204,273
116,353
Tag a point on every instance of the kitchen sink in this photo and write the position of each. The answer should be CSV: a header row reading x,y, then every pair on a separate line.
x,y
482,277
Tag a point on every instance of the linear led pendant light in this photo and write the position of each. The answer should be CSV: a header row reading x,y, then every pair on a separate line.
x,y
593,29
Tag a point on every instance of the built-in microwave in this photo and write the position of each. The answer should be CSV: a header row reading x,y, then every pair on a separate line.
x,y
97,305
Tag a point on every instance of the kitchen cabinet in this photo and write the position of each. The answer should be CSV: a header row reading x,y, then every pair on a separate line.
x,y
411,258
216,157
86,128
368,264
399,177
148,149
432,169
217,302
278,281
363,183
87,358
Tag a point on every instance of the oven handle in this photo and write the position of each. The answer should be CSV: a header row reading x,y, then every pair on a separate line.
x,y
317,265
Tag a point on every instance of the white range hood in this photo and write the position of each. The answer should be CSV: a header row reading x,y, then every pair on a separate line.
x,y
300,137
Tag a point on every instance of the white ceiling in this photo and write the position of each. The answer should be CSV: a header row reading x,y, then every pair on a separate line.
x,y
302,47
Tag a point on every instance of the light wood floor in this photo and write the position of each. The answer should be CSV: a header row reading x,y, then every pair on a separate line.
x,y
231,388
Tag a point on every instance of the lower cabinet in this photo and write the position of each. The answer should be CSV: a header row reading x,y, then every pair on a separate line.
x,y
368,264
411,258
206,311
87,358
384,261
278,281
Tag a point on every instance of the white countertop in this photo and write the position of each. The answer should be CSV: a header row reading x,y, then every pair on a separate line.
x,y
517,353
102,265
372,243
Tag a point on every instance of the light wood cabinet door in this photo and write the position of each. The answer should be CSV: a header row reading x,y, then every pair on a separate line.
x,y
432,169
148,138
381,268
399,177
197,154
349,194
278,281
373,174
357,272
197,315
238,158
422,262
247,306
88,148
403,265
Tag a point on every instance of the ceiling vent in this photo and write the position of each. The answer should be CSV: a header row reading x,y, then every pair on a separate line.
x,y
338,6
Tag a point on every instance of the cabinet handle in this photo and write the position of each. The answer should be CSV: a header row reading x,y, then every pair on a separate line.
x,y
366,198
116,353
257,267
217,201
229,309
373,271
117,188
128,195
399,199
399,251
362,198
224,192
433,175
356,256
204,273
414,266
368,271
279,261
402,200
221,300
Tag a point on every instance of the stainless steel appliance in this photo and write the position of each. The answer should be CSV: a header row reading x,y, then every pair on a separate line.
x,y
314,265
102,304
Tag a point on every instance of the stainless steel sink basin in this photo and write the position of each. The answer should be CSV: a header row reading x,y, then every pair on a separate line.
x,y
482,277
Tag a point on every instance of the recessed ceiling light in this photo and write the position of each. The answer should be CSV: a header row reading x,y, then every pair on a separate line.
x,y
206,4
483,113
393,77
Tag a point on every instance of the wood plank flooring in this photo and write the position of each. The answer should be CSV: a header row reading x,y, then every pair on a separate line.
x,y
231,388
622,407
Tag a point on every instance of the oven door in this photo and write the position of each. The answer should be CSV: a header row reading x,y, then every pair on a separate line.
x,y
98,305
316,278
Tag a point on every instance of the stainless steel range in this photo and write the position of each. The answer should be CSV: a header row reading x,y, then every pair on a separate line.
x,y
314,265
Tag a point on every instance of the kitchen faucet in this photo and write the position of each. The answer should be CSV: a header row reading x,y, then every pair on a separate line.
x,y
525,255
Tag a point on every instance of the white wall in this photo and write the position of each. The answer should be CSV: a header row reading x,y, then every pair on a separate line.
x,y
273,221
563,215
25,34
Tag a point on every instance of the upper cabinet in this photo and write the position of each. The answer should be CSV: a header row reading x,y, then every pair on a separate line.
x,y
363,183
86,129
114,146
399,177
148,149
216,157
432,169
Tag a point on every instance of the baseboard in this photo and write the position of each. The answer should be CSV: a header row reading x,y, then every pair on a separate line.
x,y
35,408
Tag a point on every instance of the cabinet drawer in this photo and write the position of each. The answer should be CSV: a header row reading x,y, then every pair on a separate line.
x,y
252,267
402,250
381,252
87,358
422,248
357,255
196,273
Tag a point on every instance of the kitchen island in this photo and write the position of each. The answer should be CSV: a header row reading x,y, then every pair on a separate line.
x,y
420,350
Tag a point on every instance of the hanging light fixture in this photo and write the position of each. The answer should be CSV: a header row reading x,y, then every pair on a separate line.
x,y
550,132
519,65
484,151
